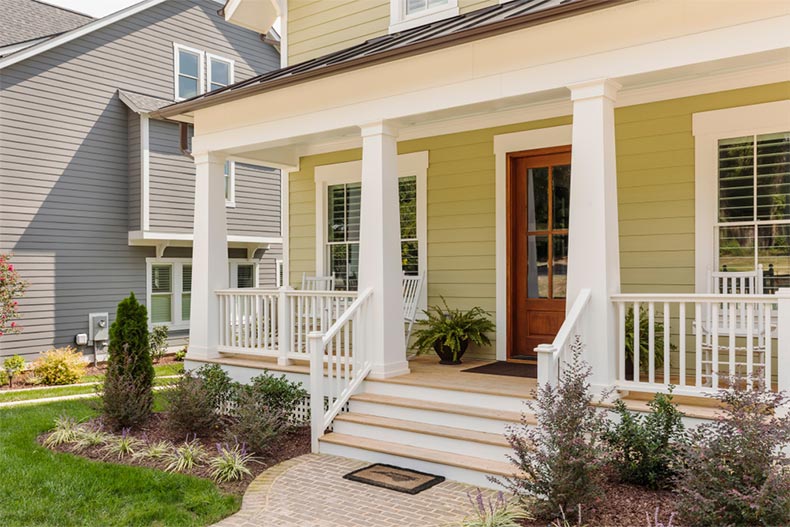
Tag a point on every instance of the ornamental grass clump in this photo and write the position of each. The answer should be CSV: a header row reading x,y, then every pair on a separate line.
x,y
156,450
186,456
736,472
558,463
497,512
65,431
647,450
230,464
90,437
122,446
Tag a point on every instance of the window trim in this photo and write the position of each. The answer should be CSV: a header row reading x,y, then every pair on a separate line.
x,y
400,21
413,164
230,200
177,291
176,69
708,128
231,73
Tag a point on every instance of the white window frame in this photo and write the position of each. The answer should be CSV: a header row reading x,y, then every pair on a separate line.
x,y
708,129
230,199
400,21
414,164
231,69
177,68
177,291
278,273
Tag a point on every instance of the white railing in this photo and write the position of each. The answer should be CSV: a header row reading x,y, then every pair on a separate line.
x,y
551,356
695,342
339,362
276,323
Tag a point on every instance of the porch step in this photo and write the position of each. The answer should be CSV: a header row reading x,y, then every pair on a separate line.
x,y
445,438
466,394
466,469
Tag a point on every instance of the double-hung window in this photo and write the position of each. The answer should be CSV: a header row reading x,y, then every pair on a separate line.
x,y
220,72
161,293
753,226
189,72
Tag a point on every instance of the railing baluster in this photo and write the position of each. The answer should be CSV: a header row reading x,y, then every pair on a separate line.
x,y
637,339
667,337
768,324
621,340
732,328
714,369
698,344
750,344
682,344
651,341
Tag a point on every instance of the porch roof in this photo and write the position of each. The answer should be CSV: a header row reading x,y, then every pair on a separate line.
x,y
475,25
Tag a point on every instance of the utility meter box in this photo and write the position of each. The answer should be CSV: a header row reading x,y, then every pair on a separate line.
x,y
98,327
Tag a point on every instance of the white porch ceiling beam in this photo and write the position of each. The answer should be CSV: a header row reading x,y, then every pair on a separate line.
x,y
335,109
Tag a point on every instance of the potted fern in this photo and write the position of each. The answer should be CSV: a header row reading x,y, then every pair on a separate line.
x,y
450,331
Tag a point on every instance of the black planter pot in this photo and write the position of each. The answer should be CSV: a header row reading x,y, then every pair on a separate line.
x,y
445,353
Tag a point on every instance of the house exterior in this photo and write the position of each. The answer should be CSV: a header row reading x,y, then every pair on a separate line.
x,y
97,197
564,165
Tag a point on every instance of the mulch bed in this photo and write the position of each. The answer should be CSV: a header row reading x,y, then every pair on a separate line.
x,y
289,445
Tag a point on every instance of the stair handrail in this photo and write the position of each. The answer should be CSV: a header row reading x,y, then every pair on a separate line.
x,y
549,354
348,366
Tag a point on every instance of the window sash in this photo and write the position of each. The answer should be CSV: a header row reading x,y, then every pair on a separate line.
x,y
187,76
216,65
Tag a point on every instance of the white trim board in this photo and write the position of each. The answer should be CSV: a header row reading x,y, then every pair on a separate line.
x,y
708,128
503,145
413,164
145,173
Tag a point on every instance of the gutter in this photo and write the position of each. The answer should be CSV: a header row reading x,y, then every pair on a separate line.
x,y
417,48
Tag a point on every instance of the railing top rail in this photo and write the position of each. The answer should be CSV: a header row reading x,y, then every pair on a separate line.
x,y
251,291
693,297
571,319
346,316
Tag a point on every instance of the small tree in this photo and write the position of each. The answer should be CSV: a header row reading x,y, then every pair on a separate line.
x,y
127,398
12,287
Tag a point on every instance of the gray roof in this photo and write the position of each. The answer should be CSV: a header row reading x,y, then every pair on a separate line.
x,y
25,20
141,103
500,18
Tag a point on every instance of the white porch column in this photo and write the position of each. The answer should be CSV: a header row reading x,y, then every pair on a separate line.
x,y
593,243
209,255
379,249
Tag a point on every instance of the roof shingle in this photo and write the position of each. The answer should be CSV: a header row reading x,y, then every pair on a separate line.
x,y
25,20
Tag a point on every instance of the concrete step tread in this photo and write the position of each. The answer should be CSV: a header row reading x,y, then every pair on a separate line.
x,y
423,428
487,413
485,466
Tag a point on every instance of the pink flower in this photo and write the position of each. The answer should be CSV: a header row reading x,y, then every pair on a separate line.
x,y
13,324
11,267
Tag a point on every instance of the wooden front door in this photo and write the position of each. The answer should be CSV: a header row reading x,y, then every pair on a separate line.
x,y
538,190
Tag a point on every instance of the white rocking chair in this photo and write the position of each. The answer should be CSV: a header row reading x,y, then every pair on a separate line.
x,y
412,289
318,283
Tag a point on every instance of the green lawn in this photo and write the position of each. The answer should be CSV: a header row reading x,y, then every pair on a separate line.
x,y
174,368
40,488
58,391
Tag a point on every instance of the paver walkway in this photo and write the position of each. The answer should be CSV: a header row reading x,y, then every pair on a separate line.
x,y
309,491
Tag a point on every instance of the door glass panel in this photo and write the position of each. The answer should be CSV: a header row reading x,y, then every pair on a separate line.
x,y
736,248
538,199
537,266
559,266
561,175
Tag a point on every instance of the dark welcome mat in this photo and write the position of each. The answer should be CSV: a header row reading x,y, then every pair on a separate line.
x,y
394,478
510,369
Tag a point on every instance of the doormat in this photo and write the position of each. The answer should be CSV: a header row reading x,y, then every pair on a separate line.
x,y
394,478
510,369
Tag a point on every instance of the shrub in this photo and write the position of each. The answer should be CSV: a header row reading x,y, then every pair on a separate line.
x,y
189,408
65,431
127,398
735,472
181,354
230,464
4,378
218,386
122,446
256,423
277,393
59,366
646,449
186,456
11,287
13,366
558,462
157,341
493,513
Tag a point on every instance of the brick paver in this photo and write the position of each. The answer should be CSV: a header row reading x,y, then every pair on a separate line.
x,y
309,491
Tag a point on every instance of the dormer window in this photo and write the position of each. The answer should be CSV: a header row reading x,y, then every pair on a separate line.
x,y
406,14
220,72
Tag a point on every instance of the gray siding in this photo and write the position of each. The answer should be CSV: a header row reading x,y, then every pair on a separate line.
x,y
135,177
67,167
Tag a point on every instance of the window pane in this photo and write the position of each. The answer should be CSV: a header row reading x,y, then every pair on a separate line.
x,y
537,266
435,3
773,177
353,266
414,6
338,264
336,206
220,72
161,279
773,252
736,248
187,87
186,278
245,276
538,199
160,308
561,175
408,207
353,199
186,304
188,63
409,257
559,265
736,179
228,173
